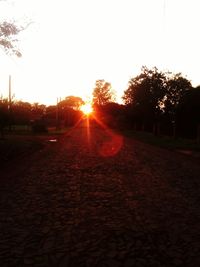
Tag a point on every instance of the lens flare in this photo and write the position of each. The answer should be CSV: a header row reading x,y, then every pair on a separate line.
x,y
111,147
87,109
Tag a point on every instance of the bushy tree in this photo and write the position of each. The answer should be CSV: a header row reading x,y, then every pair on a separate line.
x,y
103,93
112,114
153,97
146,90
145,96
188,113
21,112
4,115
37,111
73,102
177,88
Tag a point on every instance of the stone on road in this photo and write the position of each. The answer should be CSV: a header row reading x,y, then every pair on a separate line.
x,y
96,198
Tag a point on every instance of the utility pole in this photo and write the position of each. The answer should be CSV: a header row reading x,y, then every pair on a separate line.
x,y
10,102
57,126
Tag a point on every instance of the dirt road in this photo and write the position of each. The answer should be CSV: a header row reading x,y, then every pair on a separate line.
x,y
95,198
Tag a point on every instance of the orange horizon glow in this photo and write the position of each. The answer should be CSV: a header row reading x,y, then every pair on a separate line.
x,y
39,75
87,109
113,143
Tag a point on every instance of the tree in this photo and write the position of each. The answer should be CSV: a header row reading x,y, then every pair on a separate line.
x,y
21,112
188,113
103,93
68,110
146,89
112,114
177,87
8,31
145,95
4,115
73,102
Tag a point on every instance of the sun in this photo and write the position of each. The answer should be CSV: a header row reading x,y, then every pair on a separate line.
x,y
87,109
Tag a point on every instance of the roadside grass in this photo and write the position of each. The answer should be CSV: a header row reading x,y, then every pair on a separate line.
x,y
54,131
27,130
22,142
12,147
165,141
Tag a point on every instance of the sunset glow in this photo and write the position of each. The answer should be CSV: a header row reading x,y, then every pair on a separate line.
x,y
87,109
70,44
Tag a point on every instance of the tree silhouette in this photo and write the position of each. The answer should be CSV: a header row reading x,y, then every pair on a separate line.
x,y
188,113
112,114
145,95
73,102
22,112
4,115
102,93
147,89
177,87
68,110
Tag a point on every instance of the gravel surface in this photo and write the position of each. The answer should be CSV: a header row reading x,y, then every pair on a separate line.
x,y
96,199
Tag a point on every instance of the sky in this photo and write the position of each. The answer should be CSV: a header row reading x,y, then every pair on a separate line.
x,y
69,44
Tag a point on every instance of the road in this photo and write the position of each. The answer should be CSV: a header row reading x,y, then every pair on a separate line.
x,y
96,198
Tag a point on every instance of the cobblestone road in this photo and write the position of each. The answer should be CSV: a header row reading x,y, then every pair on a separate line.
x,y
96,199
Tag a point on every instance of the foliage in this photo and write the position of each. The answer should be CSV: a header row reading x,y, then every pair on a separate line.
x,y
188,113
4,116
165,103
146,90
156,90
153,98
39,126
37,111
177,87
144,97
111,114
103,93
8,31
22,112
51,112
73,102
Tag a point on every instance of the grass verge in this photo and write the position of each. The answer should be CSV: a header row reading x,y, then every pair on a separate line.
x,y
13,147
165,141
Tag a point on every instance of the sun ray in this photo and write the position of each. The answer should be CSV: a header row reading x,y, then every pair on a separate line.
x,y
88,132
75,126
113,146
87,109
